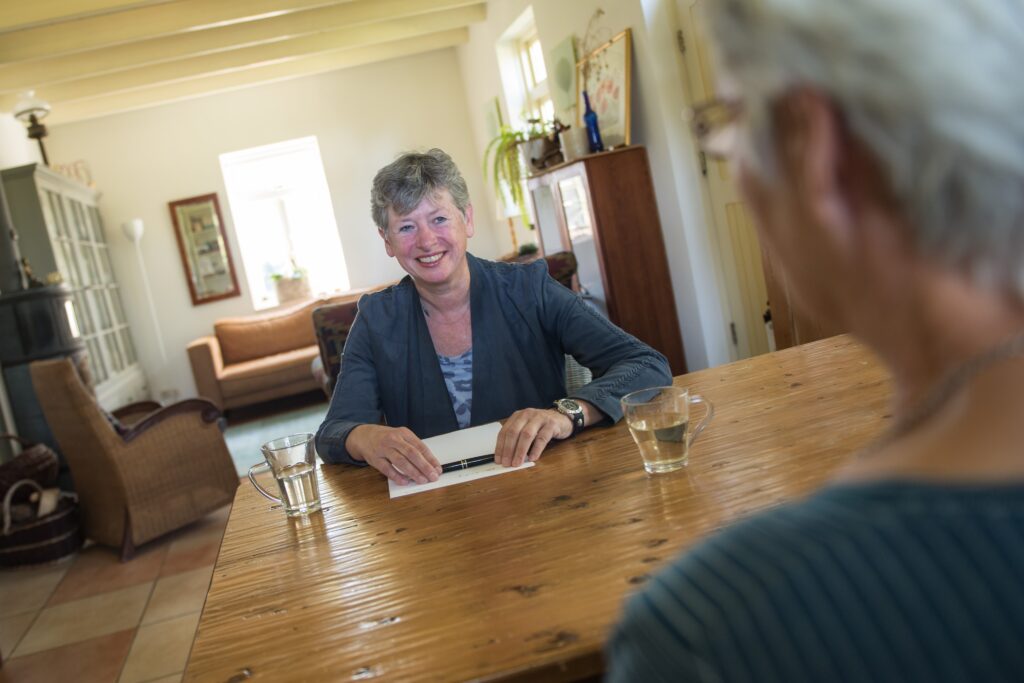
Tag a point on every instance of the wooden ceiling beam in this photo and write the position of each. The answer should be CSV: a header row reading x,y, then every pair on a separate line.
x,y
139,23
17,15
318,63
219,62
34,74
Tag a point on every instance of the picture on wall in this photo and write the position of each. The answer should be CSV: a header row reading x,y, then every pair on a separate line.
x,y
202,243
604,74
562,76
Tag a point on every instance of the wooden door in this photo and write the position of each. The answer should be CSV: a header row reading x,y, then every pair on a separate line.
x,y
738,248
753,282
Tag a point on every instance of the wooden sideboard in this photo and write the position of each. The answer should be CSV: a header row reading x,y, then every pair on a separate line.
x,y
602,208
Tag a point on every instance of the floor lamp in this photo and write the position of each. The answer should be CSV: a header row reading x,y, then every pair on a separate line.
x,y
133,230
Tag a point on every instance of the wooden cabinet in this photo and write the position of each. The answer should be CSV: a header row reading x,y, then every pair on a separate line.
x,y
602,208
59,231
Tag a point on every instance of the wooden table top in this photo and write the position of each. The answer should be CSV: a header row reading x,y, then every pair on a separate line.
x,y
520,575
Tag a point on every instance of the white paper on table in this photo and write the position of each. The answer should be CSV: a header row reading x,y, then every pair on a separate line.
x,y
465,443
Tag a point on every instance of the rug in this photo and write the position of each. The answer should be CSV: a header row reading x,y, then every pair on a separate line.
x,y
244,440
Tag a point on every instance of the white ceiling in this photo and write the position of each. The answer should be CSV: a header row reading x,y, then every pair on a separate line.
x,y
90,58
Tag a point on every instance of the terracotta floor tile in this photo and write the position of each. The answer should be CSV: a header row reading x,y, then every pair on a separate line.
x,y
98,569
78,620
178,594
28,588
12,629
197,545
160,649
97,660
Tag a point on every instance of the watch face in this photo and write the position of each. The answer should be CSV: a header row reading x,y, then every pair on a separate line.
x,y
568,404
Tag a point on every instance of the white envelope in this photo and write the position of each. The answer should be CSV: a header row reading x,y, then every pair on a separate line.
x,y
460,445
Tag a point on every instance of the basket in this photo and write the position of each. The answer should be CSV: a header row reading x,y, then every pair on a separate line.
x,y
40,540
37,461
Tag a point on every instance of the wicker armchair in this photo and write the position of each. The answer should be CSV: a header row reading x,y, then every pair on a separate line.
x,y
140,481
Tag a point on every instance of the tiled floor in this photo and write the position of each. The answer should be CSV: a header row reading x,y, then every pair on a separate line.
x,y
92,618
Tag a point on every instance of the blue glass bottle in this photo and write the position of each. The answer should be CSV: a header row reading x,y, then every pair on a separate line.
x,y
590,118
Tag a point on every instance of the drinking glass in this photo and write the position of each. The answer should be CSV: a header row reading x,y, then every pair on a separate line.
x,y
292,460
659,419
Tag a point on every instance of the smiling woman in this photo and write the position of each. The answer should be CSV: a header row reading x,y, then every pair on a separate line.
x,y
463,342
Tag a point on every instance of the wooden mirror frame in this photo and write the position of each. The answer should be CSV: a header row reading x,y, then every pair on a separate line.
x,y
203,211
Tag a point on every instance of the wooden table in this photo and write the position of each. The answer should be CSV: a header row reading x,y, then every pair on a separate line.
x,y
520,575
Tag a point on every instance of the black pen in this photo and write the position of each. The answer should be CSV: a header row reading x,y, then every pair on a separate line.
x,y
467,463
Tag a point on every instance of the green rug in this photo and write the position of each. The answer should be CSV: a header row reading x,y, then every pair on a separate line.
x,y
244,440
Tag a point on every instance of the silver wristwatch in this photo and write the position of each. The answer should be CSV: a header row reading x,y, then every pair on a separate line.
x,y
572,410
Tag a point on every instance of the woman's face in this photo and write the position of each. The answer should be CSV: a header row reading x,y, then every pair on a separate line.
x,y
429,242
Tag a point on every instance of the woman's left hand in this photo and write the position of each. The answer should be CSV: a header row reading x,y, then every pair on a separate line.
x,y
526,434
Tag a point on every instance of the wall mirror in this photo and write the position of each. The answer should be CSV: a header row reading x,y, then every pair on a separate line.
x,y
204,249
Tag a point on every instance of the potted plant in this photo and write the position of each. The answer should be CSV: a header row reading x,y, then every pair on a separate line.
x,y
507,167
291,286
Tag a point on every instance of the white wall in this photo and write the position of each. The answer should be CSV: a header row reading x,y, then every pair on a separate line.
x,y
658,99
363,118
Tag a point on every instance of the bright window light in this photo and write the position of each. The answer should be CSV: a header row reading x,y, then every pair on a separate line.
x,y
281,209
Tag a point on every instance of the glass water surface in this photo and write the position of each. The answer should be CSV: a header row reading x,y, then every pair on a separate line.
x,y
659,420
662,441
300,489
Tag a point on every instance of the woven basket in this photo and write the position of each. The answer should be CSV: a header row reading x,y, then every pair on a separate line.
x,y
36,462
40,540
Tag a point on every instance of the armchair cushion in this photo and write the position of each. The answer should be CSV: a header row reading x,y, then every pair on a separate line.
x,y
332,323
562,267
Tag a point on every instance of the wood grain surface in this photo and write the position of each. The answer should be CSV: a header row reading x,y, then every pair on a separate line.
x,y
520,576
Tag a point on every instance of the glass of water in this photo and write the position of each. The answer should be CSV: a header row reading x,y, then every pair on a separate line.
x,y
292,460
659,420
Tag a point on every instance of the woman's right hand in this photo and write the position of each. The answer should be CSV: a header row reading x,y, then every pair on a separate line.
x,y
395,452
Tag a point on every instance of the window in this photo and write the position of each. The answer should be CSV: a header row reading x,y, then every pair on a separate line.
x,y
535,78
524,76
281,209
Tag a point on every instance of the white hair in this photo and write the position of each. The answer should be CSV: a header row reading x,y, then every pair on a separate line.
x,y
932,87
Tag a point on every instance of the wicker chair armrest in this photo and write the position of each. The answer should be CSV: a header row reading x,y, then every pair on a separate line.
x,y
206,410
137,408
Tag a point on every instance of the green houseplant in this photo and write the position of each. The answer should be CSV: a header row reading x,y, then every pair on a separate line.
x,y
291,286
505,163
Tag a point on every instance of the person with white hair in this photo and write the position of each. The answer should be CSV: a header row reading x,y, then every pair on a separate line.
x,y
880,145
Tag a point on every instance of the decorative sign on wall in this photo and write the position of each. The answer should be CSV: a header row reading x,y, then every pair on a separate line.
x,y
604,74
199,228
562,76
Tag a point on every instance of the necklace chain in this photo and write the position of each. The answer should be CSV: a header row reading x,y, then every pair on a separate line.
x,y
955,380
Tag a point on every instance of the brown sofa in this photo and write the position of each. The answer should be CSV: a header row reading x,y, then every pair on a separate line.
x,y
257,358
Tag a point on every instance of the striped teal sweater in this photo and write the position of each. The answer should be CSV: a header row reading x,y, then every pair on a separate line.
x,y
871,582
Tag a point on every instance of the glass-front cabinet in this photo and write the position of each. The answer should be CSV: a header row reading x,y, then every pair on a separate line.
x,y
61,234
602,208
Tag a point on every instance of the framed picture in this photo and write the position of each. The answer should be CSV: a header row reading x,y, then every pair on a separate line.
x,y
604,74
562,77
203,246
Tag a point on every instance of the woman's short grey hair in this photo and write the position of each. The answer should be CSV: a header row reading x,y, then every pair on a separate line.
x,y
932,87
402,184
